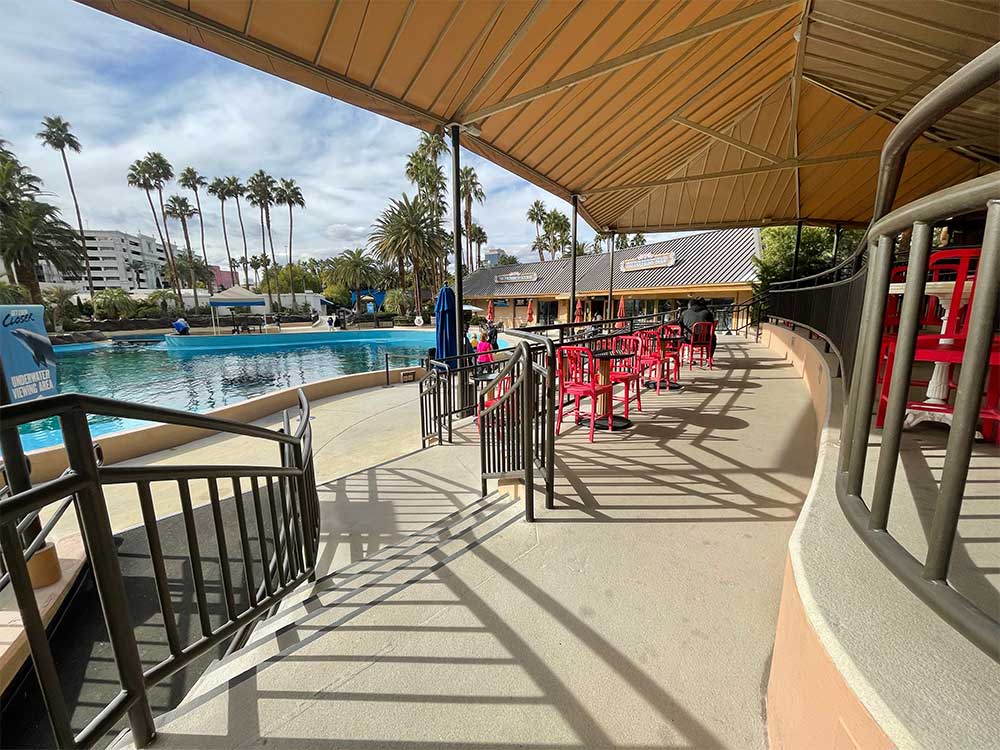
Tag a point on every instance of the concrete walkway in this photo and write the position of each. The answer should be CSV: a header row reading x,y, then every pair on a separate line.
x,y
639,614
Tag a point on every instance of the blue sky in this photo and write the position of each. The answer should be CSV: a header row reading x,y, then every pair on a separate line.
x,y
127,90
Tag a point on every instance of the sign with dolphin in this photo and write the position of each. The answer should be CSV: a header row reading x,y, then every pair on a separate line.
x,y
29,362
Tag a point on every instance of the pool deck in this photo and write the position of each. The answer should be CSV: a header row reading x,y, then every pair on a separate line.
x,y
352,431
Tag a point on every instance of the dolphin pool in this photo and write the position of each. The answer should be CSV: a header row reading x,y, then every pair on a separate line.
x,y
201,378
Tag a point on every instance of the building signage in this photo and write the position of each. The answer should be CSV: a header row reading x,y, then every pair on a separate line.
x,y
509,278
29,363
649,260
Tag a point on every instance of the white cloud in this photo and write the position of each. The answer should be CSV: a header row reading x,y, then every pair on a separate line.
x,y
127,90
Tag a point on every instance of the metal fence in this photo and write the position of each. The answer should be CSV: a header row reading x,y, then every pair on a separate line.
x,y
277,510
846,305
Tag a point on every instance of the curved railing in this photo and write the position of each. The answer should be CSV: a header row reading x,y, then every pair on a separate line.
x,y
846,305
277,519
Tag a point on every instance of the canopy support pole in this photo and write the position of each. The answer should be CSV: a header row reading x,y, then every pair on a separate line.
x,y
836,243
572,255
456,230
609,313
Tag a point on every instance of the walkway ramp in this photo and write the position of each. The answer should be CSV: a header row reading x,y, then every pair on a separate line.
x,y
639,613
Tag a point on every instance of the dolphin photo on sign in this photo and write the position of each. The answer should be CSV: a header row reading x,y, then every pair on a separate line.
x,y
29,362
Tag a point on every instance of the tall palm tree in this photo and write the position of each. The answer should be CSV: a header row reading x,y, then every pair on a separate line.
x,y
408,228
190,179
471,190
556,229
57,299
218,188
433,146
536,215
287,193
32,233
234,189
255,264
139,176
264,263
477,235
161,172
181,209
56,134
260,193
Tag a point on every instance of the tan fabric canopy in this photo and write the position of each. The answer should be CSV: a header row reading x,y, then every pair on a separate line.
x,y
660,115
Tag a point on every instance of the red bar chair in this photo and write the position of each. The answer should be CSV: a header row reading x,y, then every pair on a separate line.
x,y
700,343
672,351
579,380
628,372
499,389
651,358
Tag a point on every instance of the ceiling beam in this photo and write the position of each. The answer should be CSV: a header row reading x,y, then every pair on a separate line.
x,y
787,164
734,142
646,52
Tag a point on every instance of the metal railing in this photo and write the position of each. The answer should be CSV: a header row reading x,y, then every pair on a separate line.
x,y
846,305
278,537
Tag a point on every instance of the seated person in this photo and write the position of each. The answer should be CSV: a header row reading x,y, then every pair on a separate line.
x,y
181,327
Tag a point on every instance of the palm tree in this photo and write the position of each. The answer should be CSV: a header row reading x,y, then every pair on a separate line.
x,y
536,215
638,239
260,192
478,236
256,265
354,269
139,176
234,189
58,298
163,298
433,146
56,134
161,172
556,230
471,190
407,229
181,209
264,263
32,233
218,188
289,194
192,181
11,294
136,267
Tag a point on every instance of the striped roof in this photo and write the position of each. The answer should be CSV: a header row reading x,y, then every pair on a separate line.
x,y
703,259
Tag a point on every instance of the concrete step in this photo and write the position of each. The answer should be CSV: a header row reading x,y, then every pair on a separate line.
x,y
346,594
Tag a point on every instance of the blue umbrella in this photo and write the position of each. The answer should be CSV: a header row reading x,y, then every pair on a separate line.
x,y
444,312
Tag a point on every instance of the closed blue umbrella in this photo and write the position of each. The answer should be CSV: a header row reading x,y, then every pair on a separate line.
x,y
444,313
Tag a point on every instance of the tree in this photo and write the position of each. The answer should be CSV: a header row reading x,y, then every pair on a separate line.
x,y
537,215
354,269
234,189
219,189
56,134
556,232
506,259
423,170
289,194
599,239
477,236
57,299
113,303
34,232
260,193
397,301
776,258
136,267
256,265
181,209
140,177
337,294
164,298
265,263
638,240
193,181
408,230
12,294
470,190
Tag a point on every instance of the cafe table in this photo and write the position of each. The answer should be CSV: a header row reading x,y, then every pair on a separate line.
x,y
605,405
666,383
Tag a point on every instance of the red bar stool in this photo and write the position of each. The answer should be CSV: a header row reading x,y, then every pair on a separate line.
x,y
628,371
700,343
672,351
579,380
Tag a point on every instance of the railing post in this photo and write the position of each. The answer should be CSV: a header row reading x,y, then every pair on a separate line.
x,y
979,339
527,431
550,426
96,527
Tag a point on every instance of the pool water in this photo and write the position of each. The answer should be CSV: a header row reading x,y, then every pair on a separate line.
x,y
204,380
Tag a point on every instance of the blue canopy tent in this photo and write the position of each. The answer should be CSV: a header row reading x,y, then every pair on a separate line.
x,y
444,316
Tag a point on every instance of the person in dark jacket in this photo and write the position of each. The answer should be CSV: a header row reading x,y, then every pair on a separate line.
x,y
698,312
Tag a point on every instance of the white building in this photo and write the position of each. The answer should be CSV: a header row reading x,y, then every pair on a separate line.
x,y
117,260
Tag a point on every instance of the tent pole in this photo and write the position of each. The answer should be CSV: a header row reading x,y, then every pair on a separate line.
x,y
609,313
572,263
